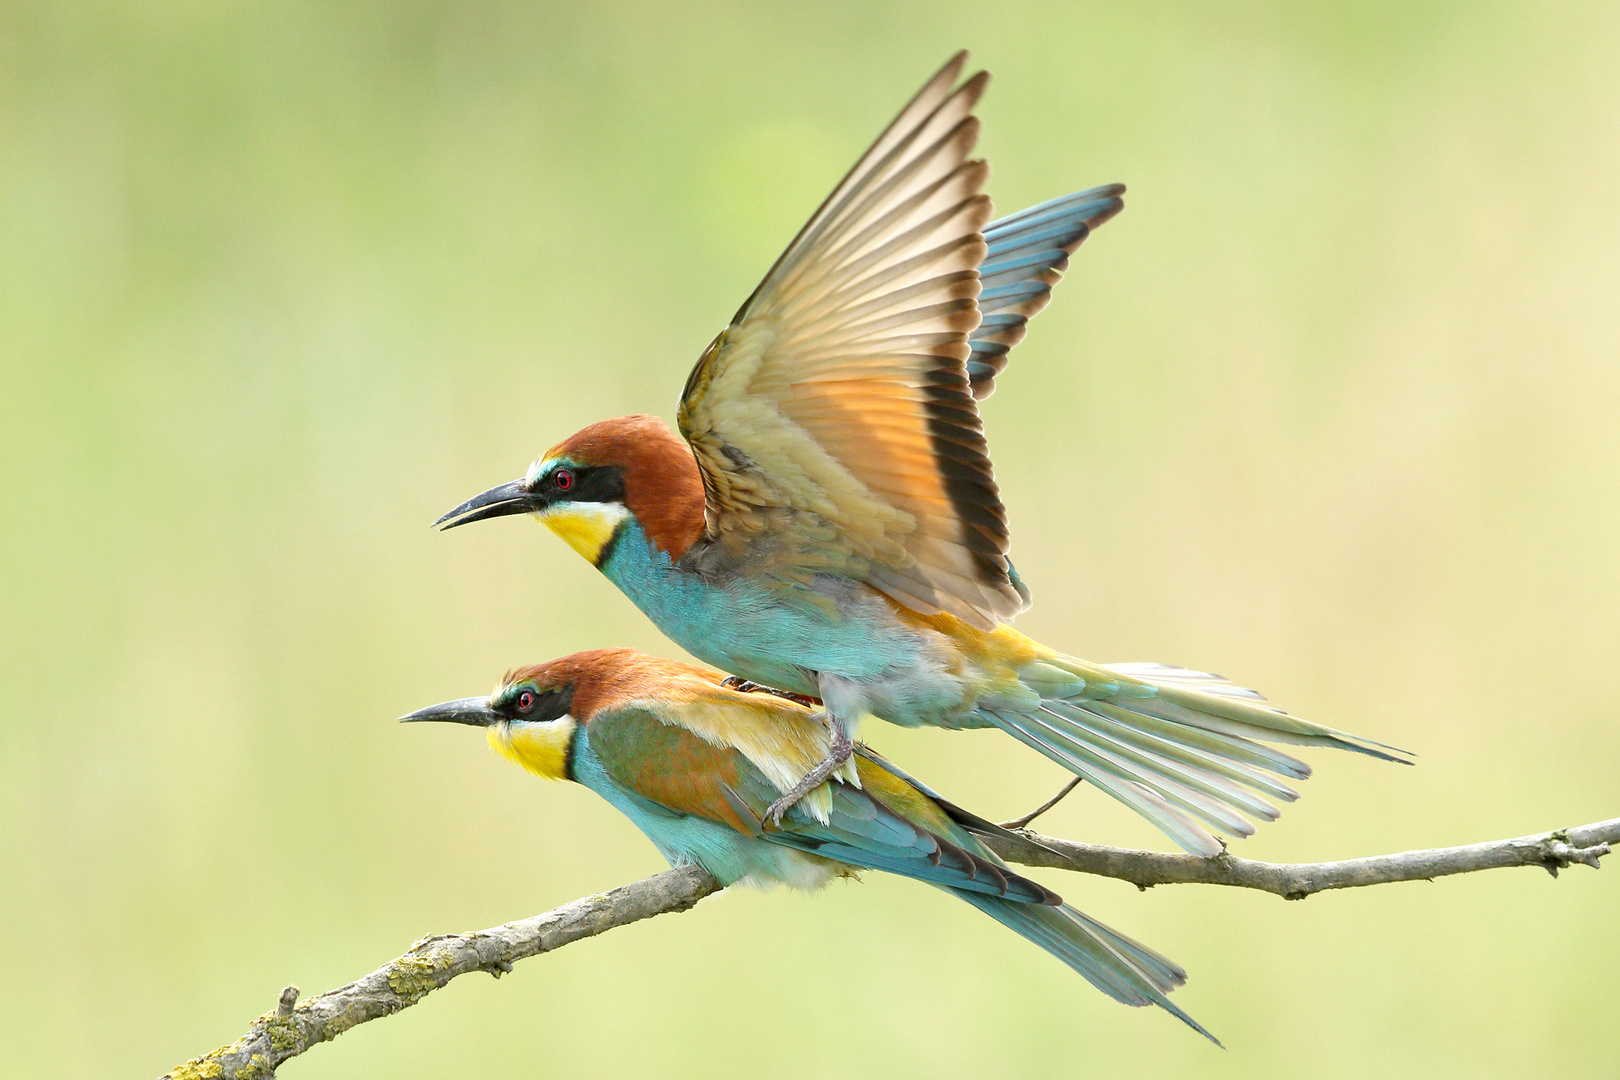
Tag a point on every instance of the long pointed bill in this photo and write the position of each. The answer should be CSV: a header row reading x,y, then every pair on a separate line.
x,y
467,710
513,498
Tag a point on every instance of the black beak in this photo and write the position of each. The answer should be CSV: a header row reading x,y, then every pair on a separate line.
x,y
513,498
467,710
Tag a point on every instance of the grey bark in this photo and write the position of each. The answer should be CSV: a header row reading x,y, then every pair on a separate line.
x,y
1555,851
294,1026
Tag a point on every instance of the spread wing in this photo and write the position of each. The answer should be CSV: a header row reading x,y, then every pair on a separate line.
x,y
1027,254
833,419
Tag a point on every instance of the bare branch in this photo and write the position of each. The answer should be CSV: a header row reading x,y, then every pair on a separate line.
x,y
1295,881
1023,822
290,1029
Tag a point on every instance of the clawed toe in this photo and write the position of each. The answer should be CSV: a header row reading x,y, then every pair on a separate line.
x,y
773,816
838,753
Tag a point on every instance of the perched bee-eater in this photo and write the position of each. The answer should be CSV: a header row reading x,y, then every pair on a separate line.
x,y
696,764
831,527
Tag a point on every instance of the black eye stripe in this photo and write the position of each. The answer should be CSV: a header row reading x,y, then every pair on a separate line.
x,y
542,705
587,483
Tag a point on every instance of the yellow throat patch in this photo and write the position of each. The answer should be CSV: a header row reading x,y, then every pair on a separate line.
x,y
541,748
585,527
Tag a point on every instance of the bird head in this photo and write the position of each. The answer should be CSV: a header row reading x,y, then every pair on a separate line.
x,y
586,488
534,714
526,718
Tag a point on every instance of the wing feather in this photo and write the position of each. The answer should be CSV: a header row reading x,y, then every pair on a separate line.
x,y
833,420
1027,254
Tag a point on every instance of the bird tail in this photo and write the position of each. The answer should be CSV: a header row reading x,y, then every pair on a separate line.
x,y
1123,969
1186,749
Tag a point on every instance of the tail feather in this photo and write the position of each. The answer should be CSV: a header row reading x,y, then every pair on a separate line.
x,y
1207,694
1206,711
1166,776
1194,767
1183,748
1091,750
1125,970
1239,759
1208,682
1144,799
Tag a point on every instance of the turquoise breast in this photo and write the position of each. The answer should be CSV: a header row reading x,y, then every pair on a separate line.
x,y
756,630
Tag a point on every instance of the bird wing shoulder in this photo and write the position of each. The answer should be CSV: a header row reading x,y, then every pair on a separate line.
x,y
714,754
666,764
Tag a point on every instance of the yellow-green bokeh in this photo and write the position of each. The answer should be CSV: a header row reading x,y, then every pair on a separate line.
x,y
1331,409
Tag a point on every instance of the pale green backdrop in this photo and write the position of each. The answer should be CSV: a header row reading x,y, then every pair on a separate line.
x,y
1330,409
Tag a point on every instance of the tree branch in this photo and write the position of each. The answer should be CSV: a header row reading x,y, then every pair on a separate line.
x,y
294,1026
1295,881
1023,822
290,1029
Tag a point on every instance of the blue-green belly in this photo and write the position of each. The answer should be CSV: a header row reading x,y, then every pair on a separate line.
x,y
766,632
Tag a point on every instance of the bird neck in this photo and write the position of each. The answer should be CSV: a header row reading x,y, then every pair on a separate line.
x,y
651,578
665,495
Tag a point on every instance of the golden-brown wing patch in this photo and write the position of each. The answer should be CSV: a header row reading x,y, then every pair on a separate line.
x,y
833,418
684,752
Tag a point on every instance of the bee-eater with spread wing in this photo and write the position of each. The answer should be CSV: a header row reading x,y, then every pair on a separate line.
x,y
695,765
831,527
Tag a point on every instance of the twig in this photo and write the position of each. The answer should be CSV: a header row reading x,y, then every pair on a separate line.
x,y
1295,881
1023,822
290,1029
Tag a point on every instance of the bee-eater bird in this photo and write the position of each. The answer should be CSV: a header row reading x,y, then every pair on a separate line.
x,y
831,527
695,765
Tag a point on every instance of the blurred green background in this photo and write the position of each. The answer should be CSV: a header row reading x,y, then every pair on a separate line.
x,y
1330,409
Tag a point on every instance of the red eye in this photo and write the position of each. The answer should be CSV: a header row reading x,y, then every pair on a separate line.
x,y
563,478
525,701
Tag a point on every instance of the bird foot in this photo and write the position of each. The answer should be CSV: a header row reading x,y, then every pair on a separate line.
x,y
838,752
745,686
